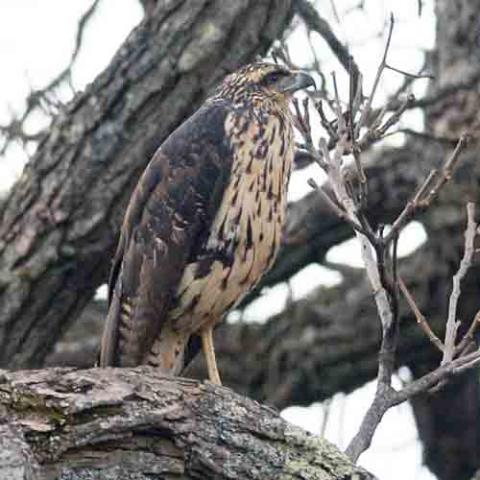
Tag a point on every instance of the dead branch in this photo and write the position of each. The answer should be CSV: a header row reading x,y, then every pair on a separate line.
x,y
388,398
421,320
427,192
466,262
368,106
449,348
381,268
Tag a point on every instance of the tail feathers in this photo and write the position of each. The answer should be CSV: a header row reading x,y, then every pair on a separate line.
x,y
123,342
167,352
126,335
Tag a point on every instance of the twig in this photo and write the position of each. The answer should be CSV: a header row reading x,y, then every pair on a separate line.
x,y
334,206
439,375
410,208
426,193
468,337
408,74
326,124
338,108
302,122
393,100
425,136
354,99
381,68
421,320
281,54
452,323
446,172
82,23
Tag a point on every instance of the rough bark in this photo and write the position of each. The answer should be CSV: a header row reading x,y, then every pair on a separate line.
x,y
132,424
61,220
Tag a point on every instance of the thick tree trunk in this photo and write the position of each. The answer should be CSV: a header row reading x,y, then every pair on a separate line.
x,y
61,221
133,424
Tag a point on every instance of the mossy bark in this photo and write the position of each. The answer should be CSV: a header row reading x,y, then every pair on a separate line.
x,y
134,424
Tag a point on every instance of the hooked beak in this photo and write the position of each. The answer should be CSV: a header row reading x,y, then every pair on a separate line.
x,y
297,81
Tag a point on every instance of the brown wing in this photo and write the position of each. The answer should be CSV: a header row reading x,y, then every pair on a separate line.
x,y
167,221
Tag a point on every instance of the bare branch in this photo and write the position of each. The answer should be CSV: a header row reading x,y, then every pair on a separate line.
x,y
381,68
426,193
438,376
421,320
334,206
468,338
408,74
82,24
446,172
390,398
452,323
381,267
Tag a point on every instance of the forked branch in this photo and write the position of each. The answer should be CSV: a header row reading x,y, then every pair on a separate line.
x,y
350,136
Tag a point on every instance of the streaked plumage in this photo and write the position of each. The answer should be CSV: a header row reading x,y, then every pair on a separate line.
x,y
204,222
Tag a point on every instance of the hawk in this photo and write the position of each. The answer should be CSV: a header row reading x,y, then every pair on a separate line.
x,y
204,222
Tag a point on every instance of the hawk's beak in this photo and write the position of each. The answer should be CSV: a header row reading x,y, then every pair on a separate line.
x,y
297,80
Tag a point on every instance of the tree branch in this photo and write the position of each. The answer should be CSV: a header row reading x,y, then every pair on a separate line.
x,y
133,423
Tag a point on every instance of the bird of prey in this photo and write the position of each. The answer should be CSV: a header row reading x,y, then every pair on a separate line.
x,y
204,222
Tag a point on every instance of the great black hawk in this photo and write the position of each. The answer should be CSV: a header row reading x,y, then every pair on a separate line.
x,y
204,222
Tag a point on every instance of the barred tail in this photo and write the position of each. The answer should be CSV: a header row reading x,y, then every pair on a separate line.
x,y
168,350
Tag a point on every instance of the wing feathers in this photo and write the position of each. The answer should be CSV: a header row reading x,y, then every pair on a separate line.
x,y
167,220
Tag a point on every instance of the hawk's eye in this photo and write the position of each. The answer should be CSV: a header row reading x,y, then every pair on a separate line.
x,y
273,77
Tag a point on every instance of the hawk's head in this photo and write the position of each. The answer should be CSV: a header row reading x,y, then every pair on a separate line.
x,y
264,80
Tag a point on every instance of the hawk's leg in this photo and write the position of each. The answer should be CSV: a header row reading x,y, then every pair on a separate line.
x,y
209,352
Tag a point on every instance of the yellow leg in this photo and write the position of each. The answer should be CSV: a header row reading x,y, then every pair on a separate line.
x,y
209,352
